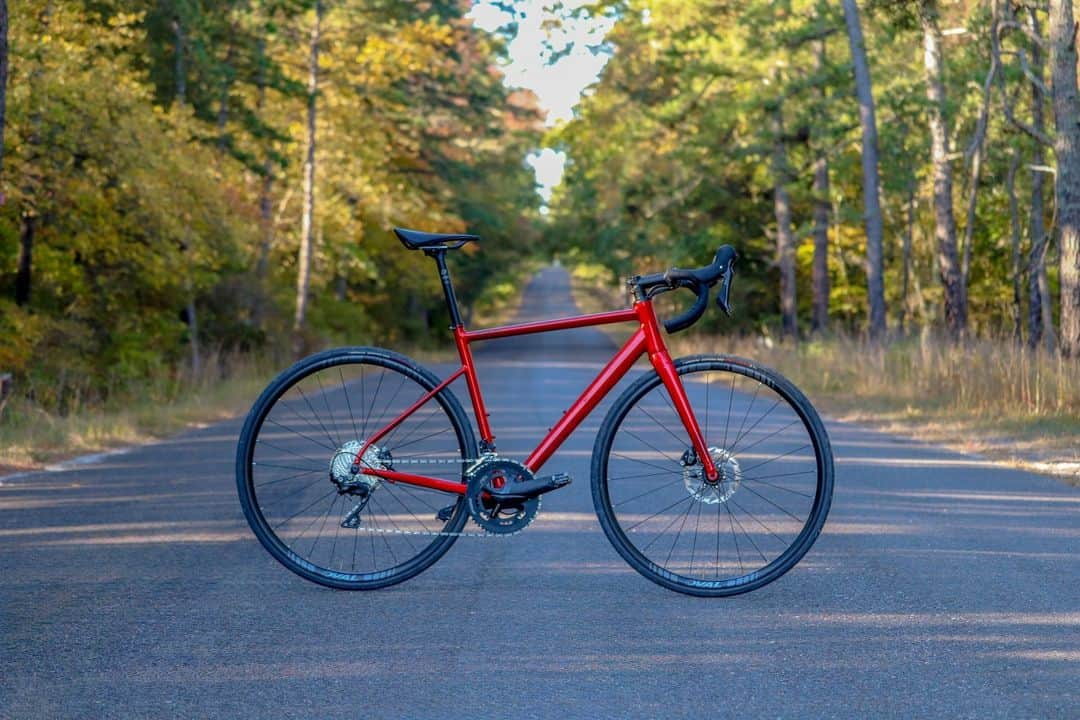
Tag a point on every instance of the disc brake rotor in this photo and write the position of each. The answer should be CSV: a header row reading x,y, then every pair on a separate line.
x,y
713,493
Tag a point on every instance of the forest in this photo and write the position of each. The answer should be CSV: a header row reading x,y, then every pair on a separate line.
x,y
185,180
883,169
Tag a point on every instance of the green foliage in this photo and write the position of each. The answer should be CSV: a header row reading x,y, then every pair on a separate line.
x,y
668,155
153,156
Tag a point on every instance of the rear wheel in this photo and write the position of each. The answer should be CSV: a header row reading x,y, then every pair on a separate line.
x,y
344,530
713,538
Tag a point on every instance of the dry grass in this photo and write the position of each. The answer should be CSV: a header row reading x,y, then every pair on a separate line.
x,y
31,437
996,398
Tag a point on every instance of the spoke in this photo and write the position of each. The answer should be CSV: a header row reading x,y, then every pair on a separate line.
x,y
302,488
643,462
678,534
297,514
352,418
735,537
746,414
749,537
288,477
393,397
716,574
731,397
651,446
763,525
751,428
780,487
772,434
394,523
660,534
638,476
316,415
421,439
363,428
284,467
408,510
781,509
320,443
405,488
693,547
766,462
415,427
326,402
647,492
322,527
382,536
371,407
291,452
663,425
658,512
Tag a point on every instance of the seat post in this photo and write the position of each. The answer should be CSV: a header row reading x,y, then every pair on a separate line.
x,y
439,254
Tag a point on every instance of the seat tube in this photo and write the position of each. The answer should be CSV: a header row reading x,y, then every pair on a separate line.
x,y
465,352
665,368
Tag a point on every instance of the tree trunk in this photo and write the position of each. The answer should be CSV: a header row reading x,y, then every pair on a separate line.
x,y
820,316
180,80
31,189
303,275
785,237
266,213
974,154
1040,306
3,83
908,232
23,273
1017,268
875,280
944,220
1067,183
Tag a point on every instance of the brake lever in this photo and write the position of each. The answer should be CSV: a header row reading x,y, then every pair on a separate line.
x,y
722,297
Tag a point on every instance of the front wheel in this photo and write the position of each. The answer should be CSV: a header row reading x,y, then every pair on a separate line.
x,y
732,535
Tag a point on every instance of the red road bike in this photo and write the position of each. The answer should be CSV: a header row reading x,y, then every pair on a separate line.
x,y
358,468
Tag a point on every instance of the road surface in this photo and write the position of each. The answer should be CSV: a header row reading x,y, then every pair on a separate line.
x,y
942,586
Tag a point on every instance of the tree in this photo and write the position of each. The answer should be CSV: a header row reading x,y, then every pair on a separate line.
x,y
944,220
871,192
1063,30
307,227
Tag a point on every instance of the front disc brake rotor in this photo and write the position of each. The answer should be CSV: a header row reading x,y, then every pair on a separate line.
x,y
485,511
725,486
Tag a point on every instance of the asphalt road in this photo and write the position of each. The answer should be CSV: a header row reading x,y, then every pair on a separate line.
x,y
942,586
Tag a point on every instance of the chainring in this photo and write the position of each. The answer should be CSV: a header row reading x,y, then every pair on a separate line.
x,y
495,475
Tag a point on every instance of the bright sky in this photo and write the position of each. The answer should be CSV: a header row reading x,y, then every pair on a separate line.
x,y
558,86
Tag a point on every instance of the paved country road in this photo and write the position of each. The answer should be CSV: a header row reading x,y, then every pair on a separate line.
x,y
942,586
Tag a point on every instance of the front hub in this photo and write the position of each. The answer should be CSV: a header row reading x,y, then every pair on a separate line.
x,y
720,490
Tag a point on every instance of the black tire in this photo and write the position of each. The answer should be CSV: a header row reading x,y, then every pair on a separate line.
x,y
764,523
303,419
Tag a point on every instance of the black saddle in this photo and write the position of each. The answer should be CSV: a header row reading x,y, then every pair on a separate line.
x,y
416,240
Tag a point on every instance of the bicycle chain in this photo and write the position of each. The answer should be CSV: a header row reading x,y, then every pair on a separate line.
x,y
472,462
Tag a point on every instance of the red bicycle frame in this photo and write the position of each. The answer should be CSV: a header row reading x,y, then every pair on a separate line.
x,y
647,338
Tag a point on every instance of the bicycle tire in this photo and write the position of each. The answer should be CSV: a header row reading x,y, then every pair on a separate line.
x,y
614,451
326,438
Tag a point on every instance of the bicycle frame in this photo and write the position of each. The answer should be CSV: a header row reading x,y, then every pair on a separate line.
x,y
646,339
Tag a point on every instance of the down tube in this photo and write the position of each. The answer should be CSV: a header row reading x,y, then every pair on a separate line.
x,y
590,397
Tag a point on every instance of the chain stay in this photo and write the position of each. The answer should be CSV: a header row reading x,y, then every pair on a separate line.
x,y
473,463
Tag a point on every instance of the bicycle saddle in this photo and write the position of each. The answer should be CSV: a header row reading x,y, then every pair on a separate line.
x,y
416,240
